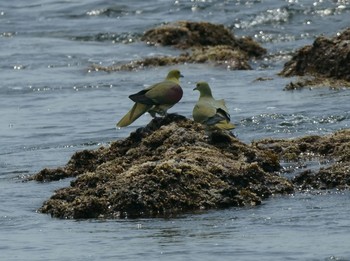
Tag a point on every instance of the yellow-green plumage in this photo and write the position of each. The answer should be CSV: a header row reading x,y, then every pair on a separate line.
x,y
209,111
156,99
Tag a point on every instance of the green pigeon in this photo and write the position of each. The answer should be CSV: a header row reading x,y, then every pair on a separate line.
x,y
209,111
156,99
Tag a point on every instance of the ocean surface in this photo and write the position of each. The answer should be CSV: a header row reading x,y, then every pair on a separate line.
x,y
52,104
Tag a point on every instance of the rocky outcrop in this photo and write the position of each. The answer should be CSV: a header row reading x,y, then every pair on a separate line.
x,y
331,151
173,166
186,34
169,167
204,43
327,60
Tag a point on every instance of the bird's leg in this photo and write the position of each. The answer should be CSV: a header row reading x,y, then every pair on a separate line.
x,y
152,113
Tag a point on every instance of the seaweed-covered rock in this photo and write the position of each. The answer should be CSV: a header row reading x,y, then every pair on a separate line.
x,y
331,151
335,145
169,167
326,58
334,176
204,42
221,55
186,34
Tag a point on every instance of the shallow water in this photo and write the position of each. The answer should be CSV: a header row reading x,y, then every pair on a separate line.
x,y
52,106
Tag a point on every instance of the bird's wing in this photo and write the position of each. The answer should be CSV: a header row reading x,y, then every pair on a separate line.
x,y
141,97
210,111
166,92
203,110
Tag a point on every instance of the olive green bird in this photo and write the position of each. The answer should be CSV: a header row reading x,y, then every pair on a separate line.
x,y
156,99
209,111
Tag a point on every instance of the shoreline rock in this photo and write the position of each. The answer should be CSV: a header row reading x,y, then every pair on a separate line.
x,y
167,168
203,42
173,166
331,151
327,60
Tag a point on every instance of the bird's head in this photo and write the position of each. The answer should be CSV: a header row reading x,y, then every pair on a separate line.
x,y
203,88
174,74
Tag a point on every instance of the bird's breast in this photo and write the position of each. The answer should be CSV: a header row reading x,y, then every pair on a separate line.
x,y
174,95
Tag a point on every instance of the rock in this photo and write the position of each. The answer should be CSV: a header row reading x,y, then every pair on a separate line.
x,y
336,176
312,82
186,34
50,175
222,55
171,166
332,151
327,59
204,42
80,162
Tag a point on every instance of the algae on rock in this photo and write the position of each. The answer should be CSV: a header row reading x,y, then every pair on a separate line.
x,y
331,151
204,43
167,168
173,166
327,60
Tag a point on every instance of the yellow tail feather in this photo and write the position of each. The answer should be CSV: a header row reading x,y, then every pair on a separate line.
x,y
136,111
224,125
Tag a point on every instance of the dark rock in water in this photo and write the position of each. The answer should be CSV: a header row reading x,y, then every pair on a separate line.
x,y
327,58
222,55
336,176
186,34
333,151
50,175
169,167
174,166
209,43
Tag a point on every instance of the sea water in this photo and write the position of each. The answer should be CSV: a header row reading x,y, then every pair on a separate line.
x,y
52,104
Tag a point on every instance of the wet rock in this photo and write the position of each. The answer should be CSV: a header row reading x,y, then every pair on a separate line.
x,y
80,162
221,55
204,42
332,152
50,175
225,56
336,176
140,64
334,84
186,34
169,167
328,60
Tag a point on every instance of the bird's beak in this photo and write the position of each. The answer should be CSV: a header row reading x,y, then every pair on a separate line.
x,y
195,89
181,75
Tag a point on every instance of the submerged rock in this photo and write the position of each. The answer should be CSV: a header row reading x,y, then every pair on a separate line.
x,y
169,167
328,60
204,41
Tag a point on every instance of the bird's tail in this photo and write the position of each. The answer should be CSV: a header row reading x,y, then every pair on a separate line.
x,y
136,111
224,125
